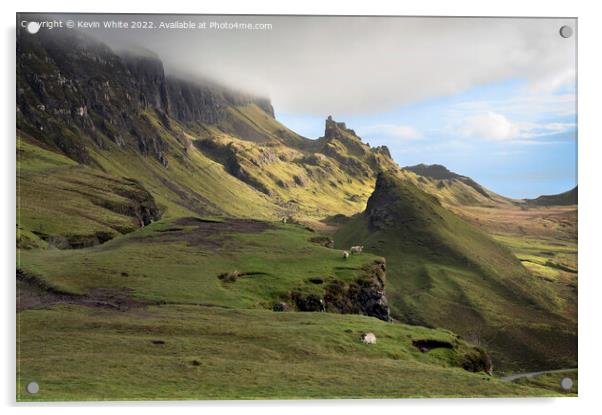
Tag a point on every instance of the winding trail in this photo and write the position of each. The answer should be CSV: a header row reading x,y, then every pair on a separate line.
x,y
515,376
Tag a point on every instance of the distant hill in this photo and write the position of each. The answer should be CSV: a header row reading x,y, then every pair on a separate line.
x,y
444,272
562,199
452,188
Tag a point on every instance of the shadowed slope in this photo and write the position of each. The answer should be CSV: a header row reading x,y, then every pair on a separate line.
x,y
445,272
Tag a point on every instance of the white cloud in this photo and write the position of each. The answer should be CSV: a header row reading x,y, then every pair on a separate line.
x,y
490,126
554,81
394,131
321,65
530,106
495,126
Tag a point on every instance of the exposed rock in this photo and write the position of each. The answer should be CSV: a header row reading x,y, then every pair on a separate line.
x,y
280,307
282,184
365,296
384,150
230,276
307,302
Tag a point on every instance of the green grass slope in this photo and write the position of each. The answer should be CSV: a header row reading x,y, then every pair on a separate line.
x,y
59,197
181,261
191,352
443,272
188,302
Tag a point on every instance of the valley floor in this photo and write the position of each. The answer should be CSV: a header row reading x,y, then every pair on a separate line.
x,y
543,238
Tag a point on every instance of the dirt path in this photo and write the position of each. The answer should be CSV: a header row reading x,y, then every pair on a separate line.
x,y
515,376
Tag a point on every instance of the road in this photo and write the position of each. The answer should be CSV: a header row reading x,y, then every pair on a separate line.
x,y
515,376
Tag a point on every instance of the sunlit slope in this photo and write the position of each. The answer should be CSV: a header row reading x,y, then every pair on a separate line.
x,y
453,189
315,179
197,148
444,272
60,198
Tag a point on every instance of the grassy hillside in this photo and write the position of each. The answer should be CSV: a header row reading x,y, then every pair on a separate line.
x,y
191,352
444,272
59,198
188,301
181,261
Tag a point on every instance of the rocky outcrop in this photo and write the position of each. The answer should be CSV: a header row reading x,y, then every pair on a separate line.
x,y
379,209
138,203
307,302
384,150
366,295
324,241
147,70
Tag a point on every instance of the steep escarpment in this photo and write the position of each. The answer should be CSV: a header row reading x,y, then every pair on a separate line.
x,y
75,94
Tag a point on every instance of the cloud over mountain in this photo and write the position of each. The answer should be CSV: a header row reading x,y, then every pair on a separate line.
x,y
321,65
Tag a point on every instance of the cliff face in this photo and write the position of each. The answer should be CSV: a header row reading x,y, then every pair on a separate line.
x,y
68,84
120,113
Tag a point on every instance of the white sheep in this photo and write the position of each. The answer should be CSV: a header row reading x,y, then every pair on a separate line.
x,y
345,254
357,249
368,338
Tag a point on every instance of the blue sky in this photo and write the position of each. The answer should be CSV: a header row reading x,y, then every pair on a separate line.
x,y
513,138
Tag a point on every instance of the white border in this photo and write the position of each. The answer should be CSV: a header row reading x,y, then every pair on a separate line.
x,y
590,180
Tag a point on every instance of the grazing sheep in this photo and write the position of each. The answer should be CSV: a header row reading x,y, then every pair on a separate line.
x,y
345,254
284,220
357,249
368,338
